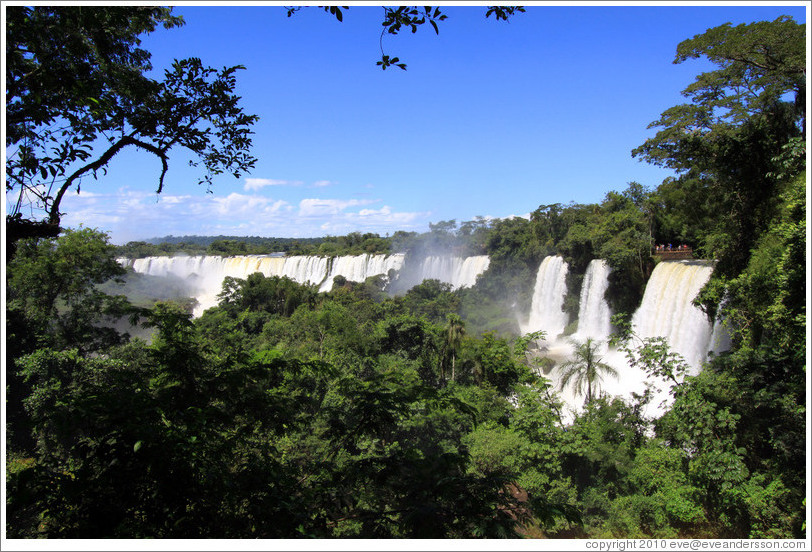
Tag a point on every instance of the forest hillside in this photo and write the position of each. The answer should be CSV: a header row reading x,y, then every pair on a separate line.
x,y
289,412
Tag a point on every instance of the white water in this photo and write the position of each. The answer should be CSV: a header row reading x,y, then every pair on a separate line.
x,y
546,312
458,271
667,309
720,338
360,267
205,274
594,315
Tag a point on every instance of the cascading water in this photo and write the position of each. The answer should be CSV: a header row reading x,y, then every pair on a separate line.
x,y
594,315
459,272
667,309
360,267
546,311
205,274
720,337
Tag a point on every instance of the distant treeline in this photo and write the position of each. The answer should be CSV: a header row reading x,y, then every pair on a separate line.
x,y
215,245
255,245
354,243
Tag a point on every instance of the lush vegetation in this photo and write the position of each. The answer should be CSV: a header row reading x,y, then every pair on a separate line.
x,y
283,412
225,246
76,79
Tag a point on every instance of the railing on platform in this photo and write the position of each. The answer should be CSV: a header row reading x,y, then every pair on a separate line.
x,y
674,254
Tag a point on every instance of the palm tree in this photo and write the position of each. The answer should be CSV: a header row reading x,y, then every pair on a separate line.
x,y
454,332
584,369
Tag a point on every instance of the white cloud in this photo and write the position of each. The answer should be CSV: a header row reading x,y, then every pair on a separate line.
x,y
525,216
259,183
246,205
386,217
173,200
321,207
137,215
385,210
322,183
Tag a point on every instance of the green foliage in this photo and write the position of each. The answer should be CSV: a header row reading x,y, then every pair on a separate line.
x,y
285,413
141,249
719,416
52,295
271,294
432,299
353,243
597,453
729,142
496,363
764,304
664,503
212,445
585,370
83,66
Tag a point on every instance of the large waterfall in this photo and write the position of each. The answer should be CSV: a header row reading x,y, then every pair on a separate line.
x,y
667,309
546,308
360,267
457,271
205,274
594,316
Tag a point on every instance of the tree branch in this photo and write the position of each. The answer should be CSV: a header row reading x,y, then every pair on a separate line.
x,y
53,214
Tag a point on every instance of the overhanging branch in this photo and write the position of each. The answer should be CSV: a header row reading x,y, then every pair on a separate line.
x,y
53,214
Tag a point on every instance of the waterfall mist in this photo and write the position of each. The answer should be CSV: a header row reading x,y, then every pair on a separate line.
x,y
204,274
665,311
457,271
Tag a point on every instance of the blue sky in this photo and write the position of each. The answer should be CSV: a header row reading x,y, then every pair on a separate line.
x,y
490,119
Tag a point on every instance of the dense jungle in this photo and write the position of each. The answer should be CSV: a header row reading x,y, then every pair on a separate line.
x,y
285,412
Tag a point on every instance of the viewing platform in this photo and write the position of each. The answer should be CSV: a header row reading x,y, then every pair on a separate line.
x,y
673,254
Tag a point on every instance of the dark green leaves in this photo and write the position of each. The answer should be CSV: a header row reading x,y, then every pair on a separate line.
x,y
411,18
503,13
84,73
386,61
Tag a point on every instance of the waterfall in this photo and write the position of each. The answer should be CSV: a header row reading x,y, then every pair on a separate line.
x,y
667,309
546,311
205,274
470,269
458,271
720,337
360,267
594,315
303,269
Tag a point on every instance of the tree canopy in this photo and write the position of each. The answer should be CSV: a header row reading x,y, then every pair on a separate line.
x,y
284,412
741,132
78,92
